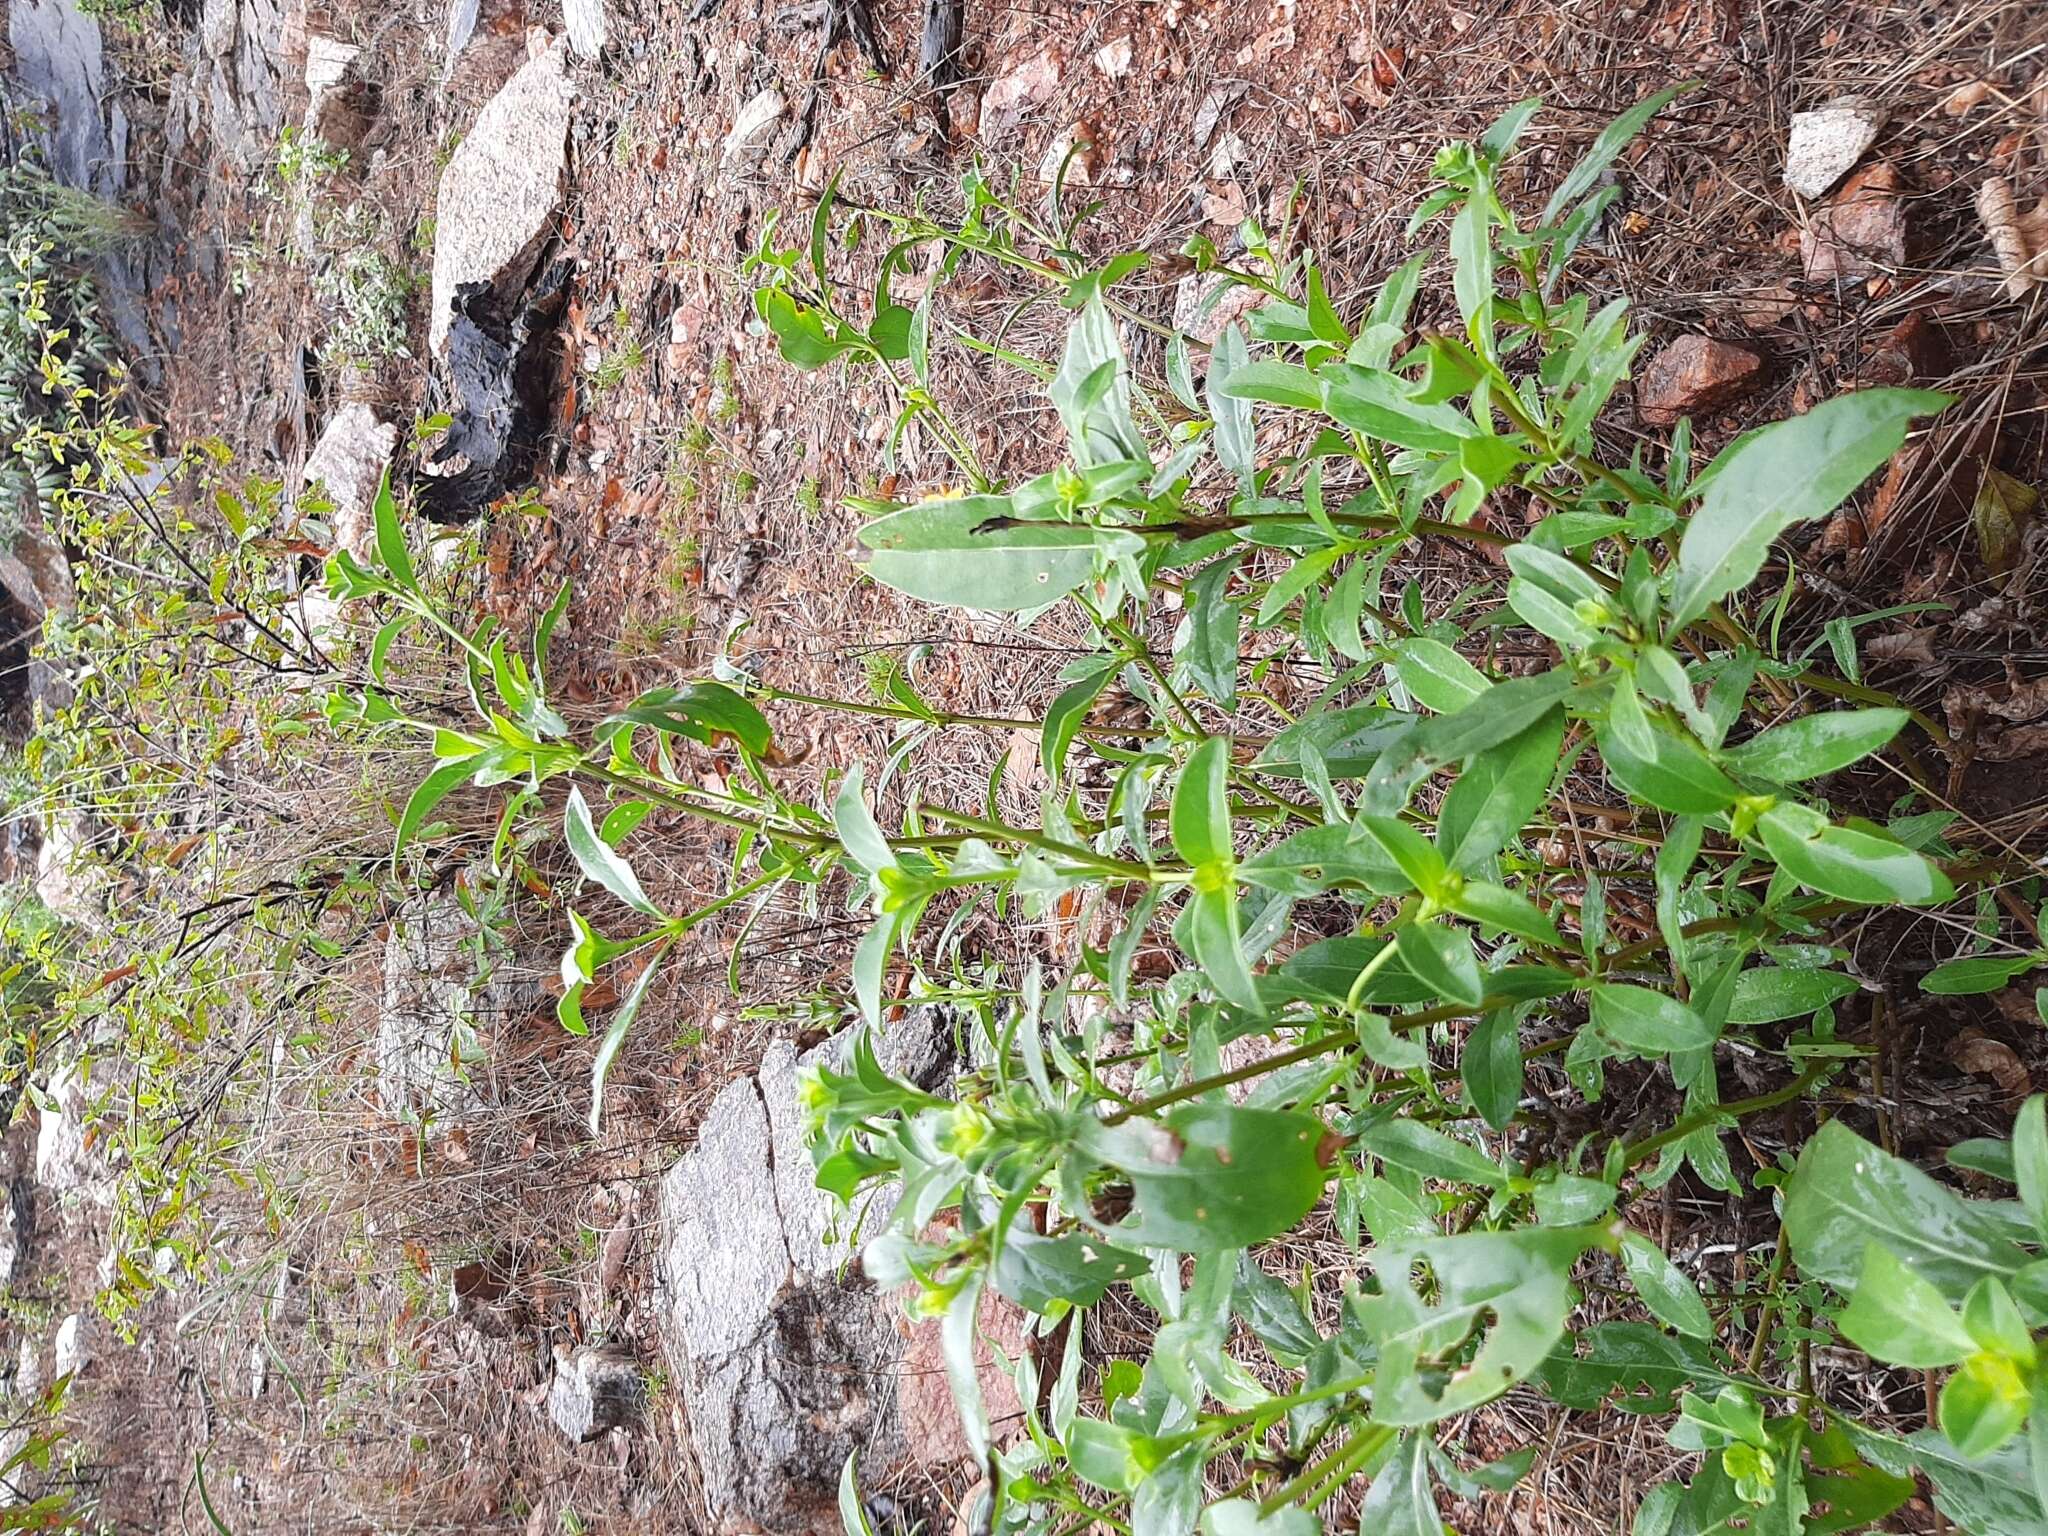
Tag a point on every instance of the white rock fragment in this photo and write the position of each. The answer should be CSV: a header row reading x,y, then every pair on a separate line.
x,y
327,62
748,141
348,463
1828,141
503,188
1114,58
586,23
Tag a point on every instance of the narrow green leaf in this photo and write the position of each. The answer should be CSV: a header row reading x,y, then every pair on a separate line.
x,y
1438,676
599,861
615,1037
391,547
1500,789
1897,1317
1814,745
1603,152
973,552
1791,472
1646,1021
1671,1298
1492,1067
1853,865
1199,818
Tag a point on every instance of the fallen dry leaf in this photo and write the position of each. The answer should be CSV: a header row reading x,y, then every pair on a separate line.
x,y
1224,205
1964,97
1981,1056
2000,515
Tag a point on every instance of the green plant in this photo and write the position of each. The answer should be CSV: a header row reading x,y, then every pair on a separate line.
x,y
366,294
59,365
1410,818
305,159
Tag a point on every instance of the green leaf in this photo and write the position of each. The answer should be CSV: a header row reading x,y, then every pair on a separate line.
x,y
1412,853
2030,1160
1200,816
1499,791
1376,403
1671,1298
1399,1501
1565,580
1648,1022
1814,745
1212,932
1472,264
1349,741
1857,866
1241,1517
1232,438
1424,1150
1213,1176
1211,650
1441,957
1656,766
799,329
1897,1317
858,832
615,1037
1614,138
1519,1280
1111,1456
1846,1194
600,862
1438,676
1092,391
1993,1321
436,787
1492,1067
1064,718
1770,993
1994,1494
700,711
1040,1272
391,548
1631,1367
853,1512
1275,383
975,552
1504,711
1510,911
1791,472
1976,973
1314,859
1983,1405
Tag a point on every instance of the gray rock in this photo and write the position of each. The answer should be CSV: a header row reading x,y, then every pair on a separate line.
x,y
787,1357
72,1351
339,103
59,59
64,1162
66,880
238,68
586,24
503,188
753,128
349,463
434,1001
594,1390
1828,141
17,1231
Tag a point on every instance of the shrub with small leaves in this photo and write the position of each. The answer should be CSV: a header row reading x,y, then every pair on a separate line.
x,y
1317,945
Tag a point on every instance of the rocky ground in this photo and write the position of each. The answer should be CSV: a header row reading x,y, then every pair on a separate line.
x,y
508,1326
